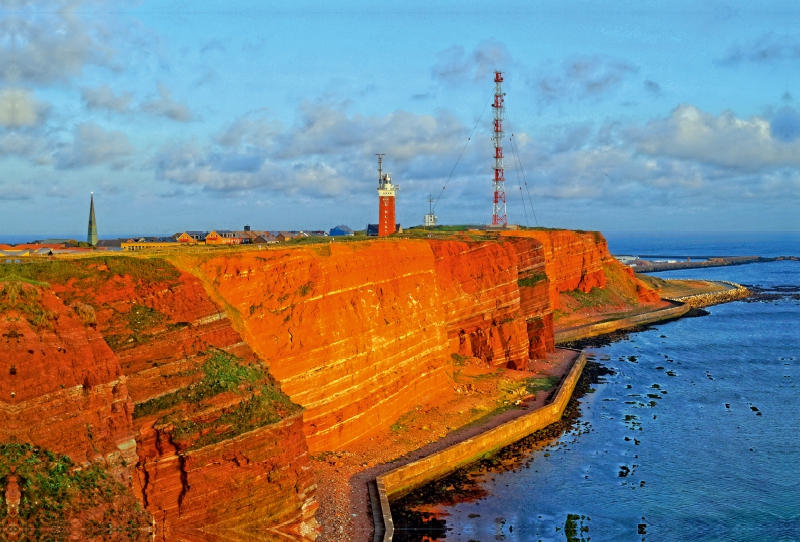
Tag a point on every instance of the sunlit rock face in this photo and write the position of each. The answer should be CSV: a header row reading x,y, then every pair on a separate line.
x,y
358,333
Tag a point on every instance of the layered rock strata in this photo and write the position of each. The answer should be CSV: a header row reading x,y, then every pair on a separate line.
x,y
358,333
160,329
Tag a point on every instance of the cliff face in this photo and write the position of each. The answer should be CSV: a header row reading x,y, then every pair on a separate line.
x,y
199,364
572,260
358,333
62,387
259,482
353,333
65,422
139,331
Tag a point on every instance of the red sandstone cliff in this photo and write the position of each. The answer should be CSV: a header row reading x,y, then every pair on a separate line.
x,y
353,332
62,387
162,327
358,333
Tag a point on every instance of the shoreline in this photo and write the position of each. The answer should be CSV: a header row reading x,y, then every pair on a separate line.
x,y
723,261
682,307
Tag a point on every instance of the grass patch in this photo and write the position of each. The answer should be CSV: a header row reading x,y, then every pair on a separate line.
x,y
94,270
537,384
263,403
54,490
221,372
305,289
458,359
22,297
142,318
136,323
533,280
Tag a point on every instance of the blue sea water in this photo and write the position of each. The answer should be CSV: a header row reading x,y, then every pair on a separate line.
x,y
767,244
702,412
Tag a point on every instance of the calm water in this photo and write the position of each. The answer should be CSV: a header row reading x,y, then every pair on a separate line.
x,y
767,244
709,454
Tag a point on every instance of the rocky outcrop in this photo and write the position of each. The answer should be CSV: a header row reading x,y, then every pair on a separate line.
x,y
572,260
259,483
141,332
734,292
62,386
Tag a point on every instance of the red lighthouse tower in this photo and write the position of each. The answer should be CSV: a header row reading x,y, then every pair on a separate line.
x,y
387,192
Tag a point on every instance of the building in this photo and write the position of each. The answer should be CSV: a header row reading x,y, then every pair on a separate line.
x,y
626,260
190,236
340,231
373,230
91,237
226,237
387,193
264,238
285,236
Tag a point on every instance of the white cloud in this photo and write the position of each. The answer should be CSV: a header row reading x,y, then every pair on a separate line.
x,y
165,106
456,66
93,145
47,42
723,140
104,98
18,108
327,153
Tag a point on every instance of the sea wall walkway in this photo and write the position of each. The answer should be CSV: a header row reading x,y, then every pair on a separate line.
x,y
675,310
404,479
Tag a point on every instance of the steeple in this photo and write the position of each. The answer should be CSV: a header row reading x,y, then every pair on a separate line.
x,y
92,237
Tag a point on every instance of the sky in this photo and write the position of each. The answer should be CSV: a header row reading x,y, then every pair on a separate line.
x,y
178,115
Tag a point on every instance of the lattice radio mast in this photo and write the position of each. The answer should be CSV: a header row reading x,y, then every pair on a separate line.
x,y
499,217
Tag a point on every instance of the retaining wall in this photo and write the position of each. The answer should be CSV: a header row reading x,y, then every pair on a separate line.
x,y
396,483
590,330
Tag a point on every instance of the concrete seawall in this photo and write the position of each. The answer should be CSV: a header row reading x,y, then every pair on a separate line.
x,y
396,483
736,291
590,330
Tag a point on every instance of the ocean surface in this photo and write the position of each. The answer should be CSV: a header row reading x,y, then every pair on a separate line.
x,y
695,436
767,244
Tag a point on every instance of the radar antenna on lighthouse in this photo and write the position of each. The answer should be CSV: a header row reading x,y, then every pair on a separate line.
x,y
499,217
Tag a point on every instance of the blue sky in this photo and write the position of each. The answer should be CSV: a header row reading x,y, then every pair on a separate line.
x,y
199,115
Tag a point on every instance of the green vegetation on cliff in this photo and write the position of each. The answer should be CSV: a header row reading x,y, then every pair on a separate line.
x,y
94,271
23,297
260,403
55,496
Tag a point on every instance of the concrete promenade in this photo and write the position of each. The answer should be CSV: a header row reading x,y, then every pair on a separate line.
x,y
676,310
404,479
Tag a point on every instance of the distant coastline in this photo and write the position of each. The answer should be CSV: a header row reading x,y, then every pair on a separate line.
x,y
713,261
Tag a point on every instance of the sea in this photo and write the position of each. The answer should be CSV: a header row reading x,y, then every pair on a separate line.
x,y
696,435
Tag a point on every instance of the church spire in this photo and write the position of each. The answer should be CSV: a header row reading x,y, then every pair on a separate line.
x,y
92,237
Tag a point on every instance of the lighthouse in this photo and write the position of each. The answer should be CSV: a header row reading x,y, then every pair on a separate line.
x,y
387,193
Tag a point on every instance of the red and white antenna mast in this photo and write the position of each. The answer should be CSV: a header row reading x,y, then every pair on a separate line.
x,y
499,217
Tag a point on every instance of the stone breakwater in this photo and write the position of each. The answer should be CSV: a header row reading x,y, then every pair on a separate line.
x,y
735,292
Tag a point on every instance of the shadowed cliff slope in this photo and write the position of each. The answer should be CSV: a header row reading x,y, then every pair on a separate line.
x,y
172,372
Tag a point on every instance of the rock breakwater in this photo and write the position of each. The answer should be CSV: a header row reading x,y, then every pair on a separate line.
x,y
733,293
